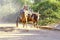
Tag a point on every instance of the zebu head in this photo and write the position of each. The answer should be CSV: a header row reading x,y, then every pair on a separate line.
x,y
36,15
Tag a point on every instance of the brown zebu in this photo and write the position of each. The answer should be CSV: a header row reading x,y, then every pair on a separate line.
x,y
21,19
34,18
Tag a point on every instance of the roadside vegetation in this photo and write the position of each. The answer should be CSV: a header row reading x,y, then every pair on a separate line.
x,y
49,10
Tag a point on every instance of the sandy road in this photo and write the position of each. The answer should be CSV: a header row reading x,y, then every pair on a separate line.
x,y
21,33
10,30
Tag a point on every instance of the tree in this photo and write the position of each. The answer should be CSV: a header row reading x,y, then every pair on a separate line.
x,y
36,1
49,10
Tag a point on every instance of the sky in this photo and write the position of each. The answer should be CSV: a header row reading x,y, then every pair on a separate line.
x,y
8,7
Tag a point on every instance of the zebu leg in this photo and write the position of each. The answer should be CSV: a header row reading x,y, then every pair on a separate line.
x,y
34,22
34,25
26,22
23,25
26,19
17,22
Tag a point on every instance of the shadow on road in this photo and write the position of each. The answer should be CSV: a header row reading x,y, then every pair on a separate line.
x,y
7,29
10,29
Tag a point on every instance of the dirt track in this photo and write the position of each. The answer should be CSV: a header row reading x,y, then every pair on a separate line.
x,y
10,32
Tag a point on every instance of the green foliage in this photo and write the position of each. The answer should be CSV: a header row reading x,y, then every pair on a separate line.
x,y
36,1
48,21
49,10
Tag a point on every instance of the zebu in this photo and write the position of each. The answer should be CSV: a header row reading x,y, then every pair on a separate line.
x,y
34,18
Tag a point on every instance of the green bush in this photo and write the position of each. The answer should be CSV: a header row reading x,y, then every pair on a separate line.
x,y
50,12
